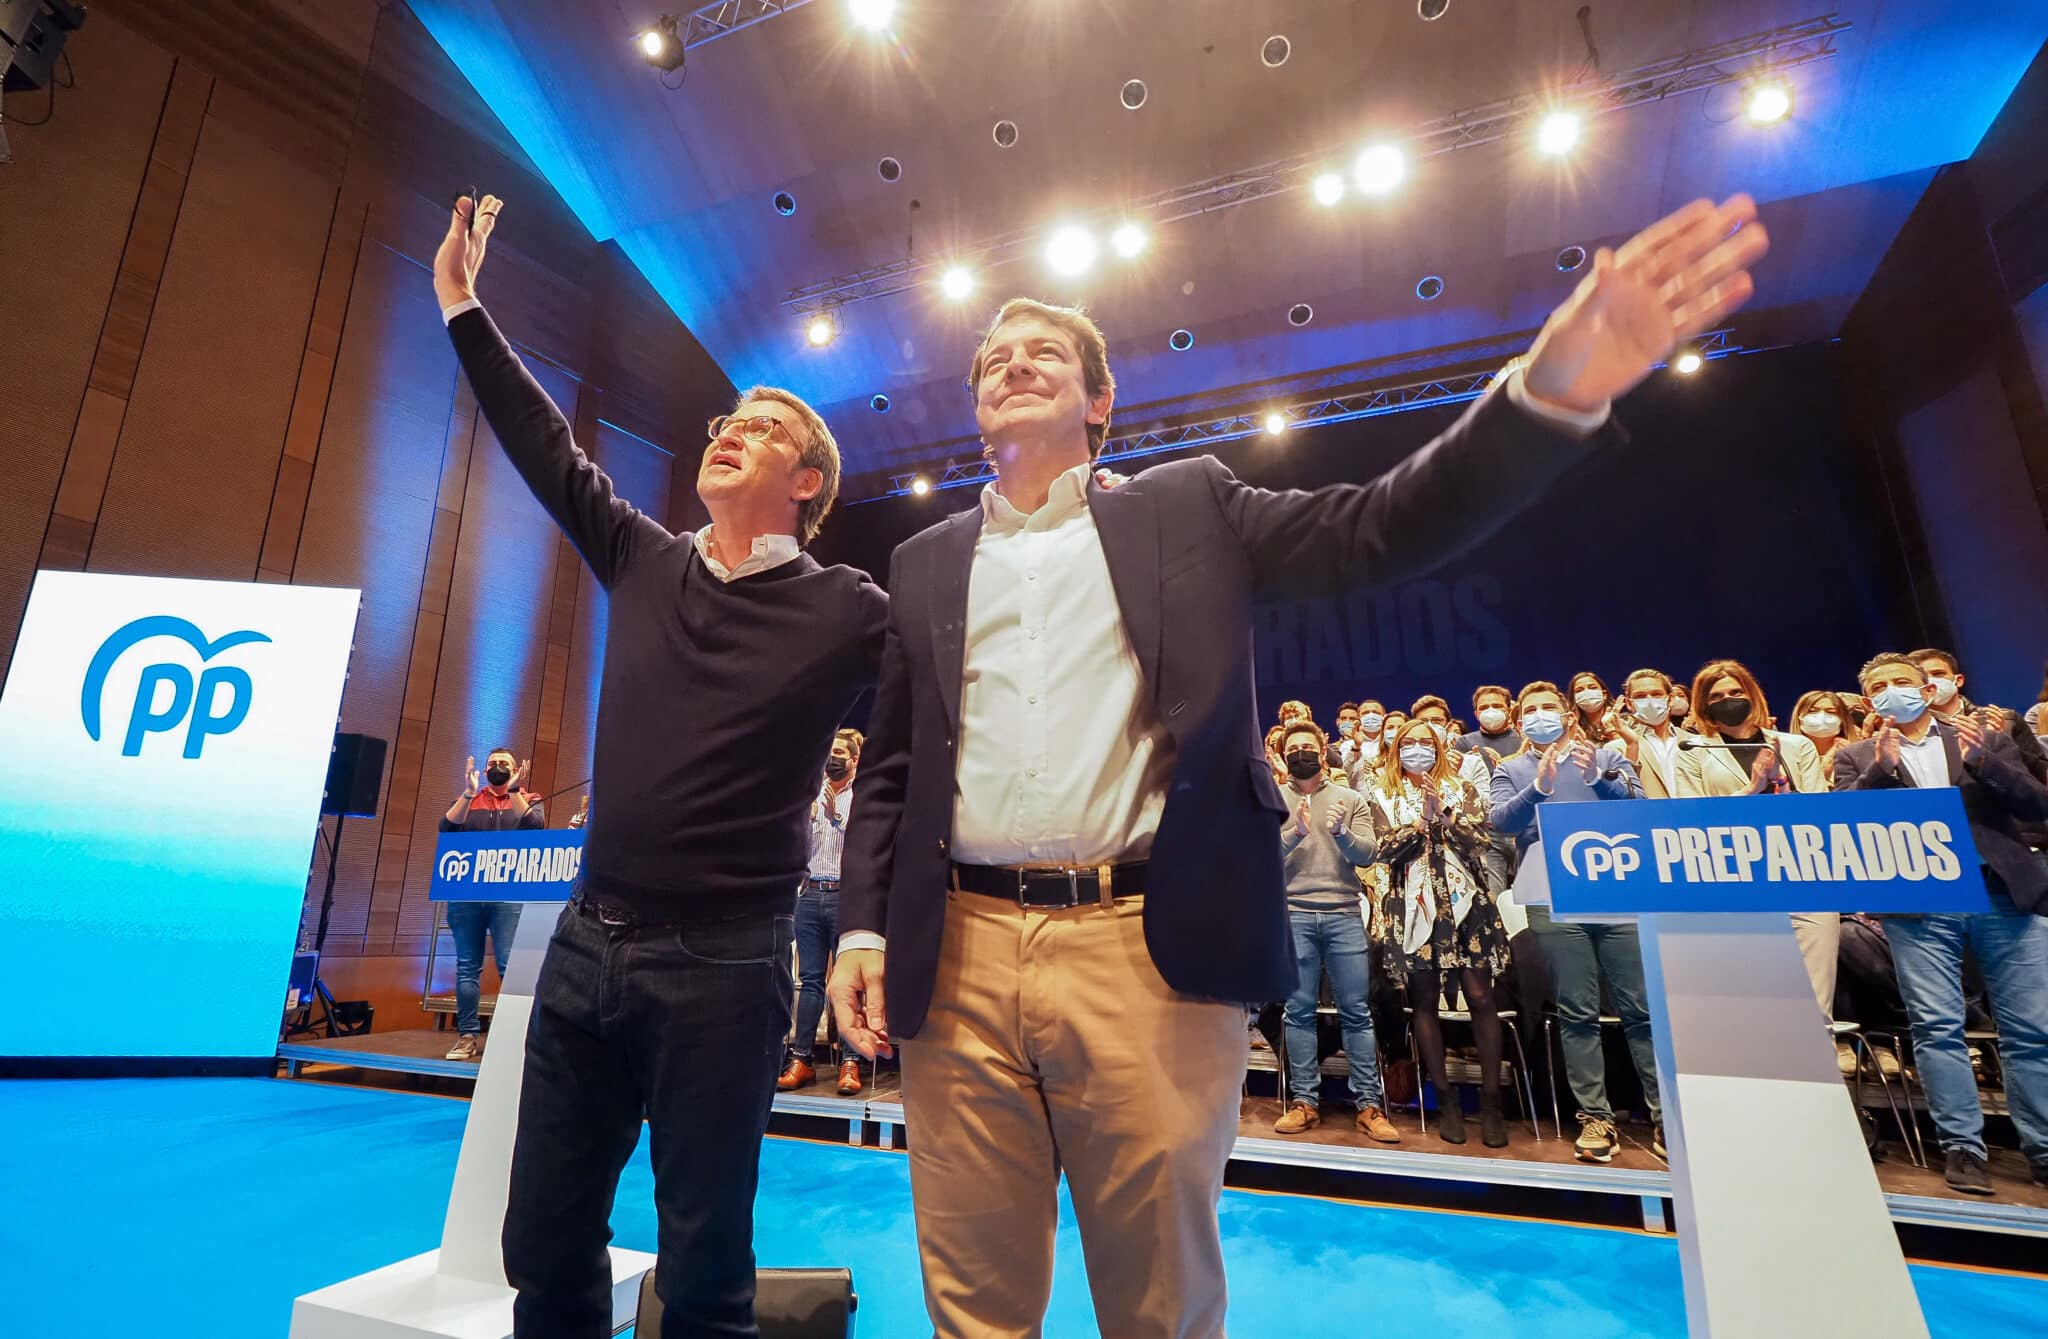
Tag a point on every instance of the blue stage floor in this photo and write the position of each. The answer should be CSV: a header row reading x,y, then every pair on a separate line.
x,y
203,1206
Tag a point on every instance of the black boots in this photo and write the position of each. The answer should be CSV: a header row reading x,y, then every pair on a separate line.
x,y
1450,1121
1493,1131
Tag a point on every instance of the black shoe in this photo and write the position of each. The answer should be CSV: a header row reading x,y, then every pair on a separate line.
x,y
2040,1173
1493,1131
1450,1121
1965,1172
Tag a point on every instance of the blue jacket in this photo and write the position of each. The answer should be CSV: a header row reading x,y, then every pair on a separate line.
x,y
1516,799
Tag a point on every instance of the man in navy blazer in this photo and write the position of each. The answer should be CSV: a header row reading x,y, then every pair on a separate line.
x,y
1911,746
1064,851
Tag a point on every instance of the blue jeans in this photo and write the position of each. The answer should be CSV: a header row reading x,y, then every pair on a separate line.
x,y
1332,941
1580,953
817,934
683,1022
2012,948
467,921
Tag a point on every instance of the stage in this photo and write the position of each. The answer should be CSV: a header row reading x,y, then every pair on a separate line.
x,y
201,1207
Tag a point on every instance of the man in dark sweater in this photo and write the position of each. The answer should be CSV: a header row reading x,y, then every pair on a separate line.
x,y
490,802
730,658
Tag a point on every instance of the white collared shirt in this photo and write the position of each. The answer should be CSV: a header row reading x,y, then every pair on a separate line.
x,y
1926,761
767,551
1662,754
828,830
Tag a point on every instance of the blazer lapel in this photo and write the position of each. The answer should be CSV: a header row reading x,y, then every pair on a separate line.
x,y
953,557
1954,751
1726,761
1127,520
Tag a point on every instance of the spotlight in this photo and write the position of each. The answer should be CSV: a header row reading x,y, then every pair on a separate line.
x,y
1769,102
1300,314
1133,95
1180,341
1328,188
956,283
872,15
1275,52
1071,249
1380,169
1558,133
1570,258
660,46
1430,289
889,169
785,203
920,485
1687,363
821,330
1276,423
1005,134
880,404
1431,10
1128,240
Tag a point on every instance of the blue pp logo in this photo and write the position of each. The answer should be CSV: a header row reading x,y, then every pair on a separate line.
x,y
214,705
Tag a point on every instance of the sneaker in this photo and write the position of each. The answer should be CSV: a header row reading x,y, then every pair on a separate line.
x,y
849,1077
1965,1171
1373,1124
1845,1059
465,1048
795,1074
1657,1141
1597,1140
1300,1116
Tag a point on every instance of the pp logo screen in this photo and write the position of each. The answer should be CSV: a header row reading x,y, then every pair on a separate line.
x,y
166,694
1601,854
454,865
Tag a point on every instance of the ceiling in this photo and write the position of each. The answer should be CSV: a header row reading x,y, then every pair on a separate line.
x,y
807,103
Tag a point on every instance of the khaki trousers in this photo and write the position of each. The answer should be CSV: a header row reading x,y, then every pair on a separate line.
x,y
1820,943
1052,1043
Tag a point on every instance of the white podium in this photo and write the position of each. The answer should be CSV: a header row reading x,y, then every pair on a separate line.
x,y
459,1290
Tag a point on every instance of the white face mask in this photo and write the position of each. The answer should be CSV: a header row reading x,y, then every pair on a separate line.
x,y
1370,722
1944,691
1652,710
1543,726
1821,724
1491,719
1590,699
1418,757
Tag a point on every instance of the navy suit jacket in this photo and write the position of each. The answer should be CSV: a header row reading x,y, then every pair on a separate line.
x,y
1189,549
1999,794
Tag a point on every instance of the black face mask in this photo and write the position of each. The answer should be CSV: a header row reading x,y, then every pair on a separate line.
x,y
1729,712
499,775
1303,764
837,767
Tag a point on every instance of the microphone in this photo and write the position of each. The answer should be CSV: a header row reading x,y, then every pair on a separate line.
x,y
1707,744
566,789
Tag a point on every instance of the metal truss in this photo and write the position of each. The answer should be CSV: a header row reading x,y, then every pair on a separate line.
x,y
1733,62
708,23
1248,422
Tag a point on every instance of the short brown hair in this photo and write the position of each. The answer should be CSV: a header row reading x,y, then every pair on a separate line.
x,y
1663,679
1759,709
1305,713
854,739
1911,662
1425,702
1305,727
1089,342
1947,658
817,451
1483,689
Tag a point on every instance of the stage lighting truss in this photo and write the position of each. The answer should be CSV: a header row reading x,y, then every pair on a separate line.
x,y
1737,62
708,23
1251,422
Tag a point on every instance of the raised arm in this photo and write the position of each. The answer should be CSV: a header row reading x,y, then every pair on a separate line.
x,y
605,529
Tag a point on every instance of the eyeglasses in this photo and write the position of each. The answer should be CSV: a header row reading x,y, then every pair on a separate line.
x,y
759,428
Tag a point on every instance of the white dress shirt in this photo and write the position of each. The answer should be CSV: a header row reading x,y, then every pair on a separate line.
x,y
767,551
828,831
1926,761
1662,754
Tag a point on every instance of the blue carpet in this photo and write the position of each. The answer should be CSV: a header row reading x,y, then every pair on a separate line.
x,y
201,1207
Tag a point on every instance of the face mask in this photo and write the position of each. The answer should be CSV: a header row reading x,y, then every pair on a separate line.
x,y
1944,691
1303,764
1589,699
1418,757
1652,710
1491,719
1680,708
837,767
1902,705
499,774
1370,722
1346,728
1729,712
1543,727
1821,724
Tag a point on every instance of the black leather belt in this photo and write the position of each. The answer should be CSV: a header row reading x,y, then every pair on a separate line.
x,y
823,885
1052,887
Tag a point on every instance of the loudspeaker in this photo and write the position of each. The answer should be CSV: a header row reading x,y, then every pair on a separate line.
x,y
355,772
788,1304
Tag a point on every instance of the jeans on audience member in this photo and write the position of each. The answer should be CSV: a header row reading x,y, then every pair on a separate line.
x,y
467,922
1332,941
817,934
1580,953
684,1022
2012,948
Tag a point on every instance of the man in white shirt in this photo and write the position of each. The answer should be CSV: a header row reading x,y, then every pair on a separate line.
x,y
1064,848
1647,737
817,917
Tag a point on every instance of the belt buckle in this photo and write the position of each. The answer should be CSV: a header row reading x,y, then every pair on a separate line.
x,y
1024,877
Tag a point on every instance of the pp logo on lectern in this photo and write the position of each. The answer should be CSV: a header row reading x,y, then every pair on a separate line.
x,y
215,704
1603,854
454,865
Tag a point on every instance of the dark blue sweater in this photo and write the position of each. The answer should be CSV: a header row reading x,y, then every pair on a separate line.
x,y
718,699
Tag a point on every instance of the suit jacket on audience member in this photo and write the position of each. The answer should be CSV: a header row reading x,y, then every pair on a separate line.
x,y
1998,795
1704,772
1189,549
1648,776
